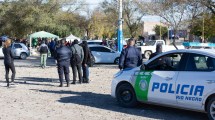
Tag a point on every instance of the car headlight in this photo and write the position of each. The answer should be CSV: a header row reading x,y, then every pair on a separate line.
x,y
118,74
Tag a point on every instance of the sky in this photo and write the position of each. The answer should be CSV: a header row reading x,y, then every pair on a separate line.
x,y
94,3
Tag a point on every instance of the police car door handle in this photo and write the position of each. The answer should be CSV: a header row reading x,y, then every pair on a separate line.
x,y
168,78
210,81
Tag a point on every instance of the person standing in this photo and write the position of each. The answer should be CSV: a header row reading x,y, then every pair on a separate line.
x,y
43,49
86,61
8,61
130,57
52,47
76,61
159,50
62,56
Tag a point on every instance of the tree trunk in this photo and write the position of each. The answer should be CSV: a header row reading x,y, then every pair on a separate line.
x,y
174,40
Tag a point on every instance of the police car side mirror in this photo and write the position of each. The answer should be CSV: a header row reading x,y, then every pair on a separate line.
x,y
143,67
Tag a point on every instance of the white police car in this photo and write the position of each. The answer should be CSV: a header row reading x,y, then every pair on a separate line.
x,y
180,78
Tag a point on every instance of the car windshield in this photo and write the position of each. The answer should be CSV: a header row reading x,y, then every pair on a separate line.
x,y
93,43
150,43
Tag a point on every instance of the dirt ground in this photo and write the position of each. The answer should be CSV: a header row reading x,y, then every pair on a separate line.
x,y
40,98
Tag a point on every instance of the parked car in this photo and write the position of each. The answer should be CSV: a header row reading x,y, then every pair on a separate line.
x,y
179,78
103,54
94,42
150,47
19,50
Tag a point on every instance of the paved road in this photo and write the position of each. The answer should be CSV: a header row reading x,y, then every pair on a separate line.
x,y
93,99
35,62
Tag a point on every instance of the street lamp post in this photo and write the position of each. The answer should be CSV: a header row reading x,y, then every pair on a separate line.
x,y
120,32
160,29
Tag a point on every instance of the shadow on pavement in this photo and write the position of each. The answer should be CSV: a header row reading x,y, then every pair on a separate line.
x,y
36,81
33,62
106,102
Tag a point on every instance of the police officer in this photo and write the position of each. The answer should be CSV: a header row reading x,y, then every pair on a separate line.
x,y
130,57
159,50
162,63
63,55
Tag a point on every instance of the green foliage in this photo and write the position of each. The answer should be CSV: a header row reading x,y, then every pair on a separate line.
x,y
22,17
209,26
159,28
19,18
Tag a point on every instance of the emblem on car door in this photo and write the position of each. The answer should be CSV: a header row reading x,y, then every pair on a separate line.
x,y
143,85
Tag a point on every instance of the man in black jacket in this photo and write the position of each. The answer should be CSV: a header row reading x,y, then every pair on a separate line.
x,y
159,50
85,63
63,55
130,57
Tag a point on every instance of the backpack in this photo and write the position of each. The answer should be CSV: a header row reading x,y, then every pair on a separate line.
x,y
75,59
90,59
43,49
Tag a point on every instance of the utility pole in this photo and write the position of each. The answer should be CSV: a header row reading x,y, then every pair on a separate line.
x,y
160,29
120,32
203,29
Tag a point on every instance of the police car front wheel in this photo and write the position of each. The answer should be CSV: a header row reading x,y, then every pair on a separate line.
x,y
126,96
211,109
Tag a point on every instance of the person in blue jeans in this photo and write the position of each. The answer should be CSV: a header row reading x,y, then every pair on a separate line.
x,y
85,62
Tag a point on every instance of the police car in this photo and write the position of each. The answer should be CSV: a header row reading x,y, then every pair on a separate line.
x,y
180,78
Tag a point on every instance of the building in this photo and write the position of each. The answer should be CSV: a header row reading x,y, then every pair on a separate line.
x,y
148,29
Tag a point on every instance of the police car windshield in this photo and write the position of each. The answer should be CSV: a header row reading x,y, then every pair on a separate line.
x,y
150,43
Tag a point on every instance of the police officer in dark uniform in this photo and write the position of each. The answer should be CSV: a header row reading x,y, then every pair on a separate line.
x,y
130,57
63,55
163,62
159,50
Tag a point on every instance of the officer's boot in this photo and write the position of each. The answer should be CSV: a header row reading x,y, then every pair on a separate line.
x,y
68,85
87,80
61,84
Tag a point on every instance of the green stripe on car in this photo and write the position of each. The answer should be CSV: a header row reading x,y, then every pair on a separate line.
x,y
142,85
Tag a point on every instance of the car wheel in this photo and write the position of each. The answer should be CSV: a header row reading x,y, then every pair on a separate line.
x,y
211,109
147,54
23,56
116,61
126,96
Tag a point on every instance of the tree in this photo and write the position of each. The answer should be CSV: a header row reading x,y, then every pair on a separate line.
x,y
22,17
132,17
131,14
210,4
209,26
161,30
173,12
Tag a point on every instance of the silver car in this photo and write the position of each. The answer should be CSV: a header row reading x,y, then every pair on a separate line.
x,y
19,50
